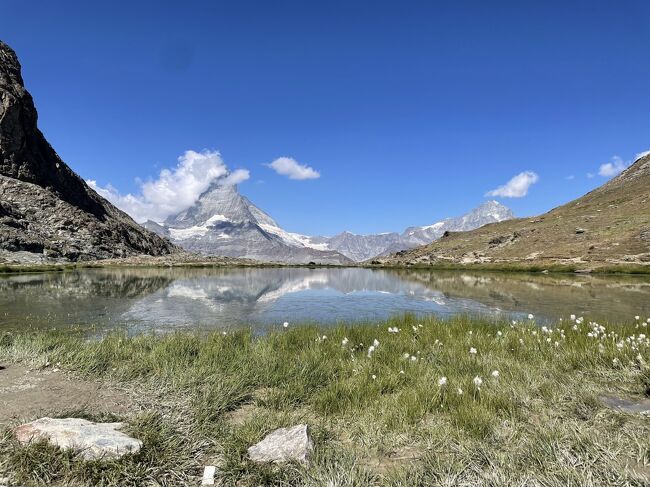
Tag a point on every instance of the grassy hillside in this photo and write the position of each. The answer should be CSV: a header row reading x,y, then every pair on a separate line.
x,y
608,226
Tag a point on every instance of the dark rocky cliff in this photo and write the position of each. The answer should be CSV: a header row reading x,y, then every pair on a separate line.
x,y
47,212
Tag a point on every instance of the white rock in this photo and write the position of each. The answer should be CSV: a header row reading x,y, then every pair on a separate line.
x,y
284,445
95,440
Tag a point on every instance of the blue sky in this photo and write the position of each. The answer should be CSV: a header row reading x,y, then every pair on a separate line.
x,y
409,111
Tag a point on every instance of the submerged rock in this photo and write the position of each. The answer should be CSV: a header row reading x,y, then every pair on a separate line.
x,y
284,445
95,440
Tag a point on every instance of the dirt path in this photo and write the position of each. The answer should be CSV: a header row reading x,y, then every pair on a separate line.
x,y
30,394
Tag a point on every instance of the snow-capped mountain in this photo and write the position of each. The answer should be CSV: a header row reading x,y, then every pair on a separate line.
x,y
223,222
363,247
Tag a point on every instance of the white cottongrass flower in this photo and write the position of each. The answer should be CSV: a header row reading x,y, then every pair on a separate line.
x,y
413,358
285,324
530,316
573,317
477,382
345,341
401,372
472,351
393,329
415,328
374,376
499,333
495,374
442,381
324,337
371,349
637,317
459,391
521,341
406,355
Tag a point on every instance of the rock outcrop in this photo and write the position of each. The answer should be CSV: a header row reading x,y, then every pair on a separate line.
x,y
47,212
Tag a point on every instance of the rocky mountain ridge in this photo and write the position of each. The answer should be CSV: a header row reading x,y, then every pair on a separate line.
x,y
47,212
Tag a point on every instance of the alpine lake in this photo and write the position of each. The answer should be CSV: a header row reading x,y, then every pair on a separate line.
x,y
144,300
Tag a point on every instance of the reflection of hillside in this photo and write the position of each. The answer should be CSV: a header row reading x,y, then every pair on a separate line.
x,y
78,297
605,296
105,282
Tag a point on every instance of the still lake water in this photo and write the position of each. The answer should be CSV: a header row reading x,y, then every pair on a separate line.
x,y
141,300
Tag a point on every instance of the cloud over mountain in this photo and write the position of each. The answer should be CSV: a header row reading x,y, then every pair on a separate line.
x,y
175,189
517,187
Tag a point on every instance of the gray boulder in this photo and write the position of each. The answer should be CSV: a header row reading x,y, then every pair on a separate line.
x,y
95,440
284,445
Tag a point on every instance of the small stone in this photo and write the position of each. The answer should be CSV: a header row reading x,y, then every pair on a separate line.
x,y
95,440
284,445
208,475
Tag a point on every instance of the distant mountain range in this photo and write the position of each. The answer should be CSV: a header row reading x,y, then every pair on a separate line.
x,y
364,247
223,222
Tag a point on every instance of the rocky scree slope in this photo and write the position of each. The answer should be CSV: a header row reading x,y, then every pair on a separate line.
x,y
47,212
609,225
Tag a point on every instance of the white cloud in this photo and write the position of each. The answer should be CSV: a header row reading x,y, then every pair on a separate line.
x,y
591,175
236,177
517,187
175,189
613,168
570,177
617,165
287,166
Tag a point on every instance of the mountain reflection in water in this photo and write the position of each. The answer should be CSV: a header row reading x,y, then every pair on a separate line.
x,y
160,299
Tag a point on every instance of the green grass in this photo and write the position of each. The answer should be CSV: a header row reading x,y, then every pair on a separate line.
x,y
381,419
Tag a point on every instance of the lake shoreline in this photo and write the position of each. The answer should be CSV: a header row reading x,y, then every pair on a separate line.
x,y
407,401
550,267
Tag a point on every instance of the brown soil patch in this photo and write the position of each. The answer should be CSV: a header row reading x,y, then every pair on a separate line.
x,y
29,394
